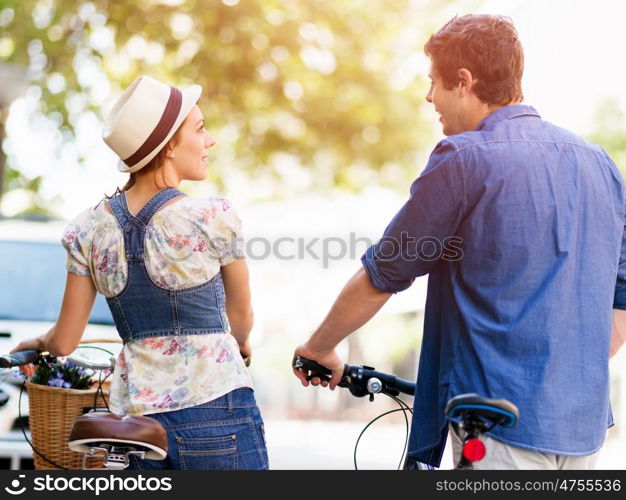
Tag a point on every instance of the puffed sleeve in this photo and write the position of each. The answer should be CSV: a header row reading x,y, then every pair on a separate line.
x,y
227,240
75,241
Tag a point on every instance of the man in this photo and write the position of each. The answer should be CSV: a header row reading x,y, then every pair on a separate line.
x,y
519,225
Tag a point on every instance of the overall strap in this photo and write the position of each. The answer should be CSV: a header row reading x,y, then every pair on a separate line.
x,y
134,226
120,210
155,203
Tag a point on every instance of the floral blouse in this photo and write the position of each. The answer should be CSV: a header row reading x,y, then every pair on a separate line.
x,y
186,243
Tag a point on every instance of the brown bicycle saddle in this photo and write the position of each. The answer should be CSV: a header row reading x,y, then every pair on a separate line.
x,y
96,428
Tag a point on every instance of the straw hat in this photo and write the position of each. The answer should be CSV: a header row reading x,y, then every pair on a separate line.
x,y
144,118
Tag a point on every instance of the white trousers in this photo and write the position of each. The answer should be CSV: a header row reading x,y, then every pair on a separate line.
x,y
503,456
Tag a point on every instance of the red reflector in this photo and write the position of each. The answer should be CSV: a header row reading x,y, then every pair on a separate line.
x,y
474,450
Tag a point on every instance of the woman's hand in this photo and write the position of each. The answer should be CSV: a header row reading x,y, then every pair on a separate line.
x,y
35,343
246,352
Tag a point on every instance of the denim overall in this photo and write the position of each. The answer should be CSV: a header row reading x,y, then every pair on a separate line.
x,y
144,309
226,433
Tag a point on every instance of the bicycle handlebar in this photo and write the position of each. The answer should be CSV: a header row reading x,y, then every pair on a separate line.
x,y
27,357
358,379
18,359
93,365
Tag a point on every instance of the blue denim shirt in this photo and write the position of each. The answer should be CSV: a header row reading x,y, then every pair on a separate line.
x,y
519,225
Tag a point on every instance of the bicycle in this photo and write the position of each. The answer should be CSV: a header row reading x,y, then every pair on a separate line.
x,y
472,413
98,433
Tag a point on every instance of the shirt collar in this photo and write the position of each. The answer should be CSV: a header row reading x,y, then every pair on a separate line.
x,y
506,113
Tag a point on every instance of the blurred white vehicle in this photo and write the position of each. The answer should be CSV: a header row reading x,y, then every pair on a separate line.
x,y
32,281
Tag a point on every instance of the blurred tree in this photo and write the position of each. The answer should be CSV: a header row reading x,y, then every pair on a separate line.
x,y
328,92
610,132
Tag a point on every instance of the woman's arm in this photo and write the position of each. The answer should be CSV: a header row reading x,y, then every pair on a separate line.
x,y
65,335
238,305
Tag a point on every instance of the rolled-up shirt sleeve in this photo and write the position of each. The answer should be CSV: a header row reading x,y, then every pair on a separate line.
x,y
424,230
619,301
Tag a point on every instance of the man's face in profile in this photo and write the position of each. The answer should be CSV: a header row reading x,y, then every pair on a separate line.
x,y
447,103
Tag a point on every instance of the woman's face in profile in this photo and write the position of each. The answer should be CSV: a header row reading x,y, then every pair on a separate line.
x,y
192,147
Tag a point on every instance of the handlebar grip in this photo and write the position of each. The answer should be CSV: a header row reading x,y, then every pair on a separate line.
x,y
308,365
405,386
18,358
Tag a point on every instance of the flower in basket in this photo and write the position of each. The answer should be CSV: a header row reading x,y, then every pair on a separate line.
x,y
62,374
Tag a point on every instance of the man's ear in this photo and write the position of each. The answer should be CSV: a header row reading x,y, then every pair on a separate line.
x,y
466,82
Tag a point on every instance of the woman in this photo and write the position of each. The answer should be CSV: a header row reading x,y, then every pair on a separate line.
x,y
175,282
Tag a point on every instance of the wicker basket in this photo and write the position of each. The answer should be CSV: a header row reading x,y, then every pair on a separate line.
x,y
52,414
51,417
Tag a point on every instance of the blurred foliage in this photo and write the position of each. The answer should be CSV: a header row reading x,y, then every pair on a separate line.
x,y
610,132
37,205
329,91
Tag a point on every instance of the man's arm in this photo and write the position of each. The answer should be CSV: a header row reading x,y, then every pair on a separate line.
x,y
357,303
433,211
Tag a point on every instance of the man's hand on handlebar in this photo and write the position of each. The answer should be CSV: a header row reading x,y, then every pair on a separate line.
x,y
328,359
